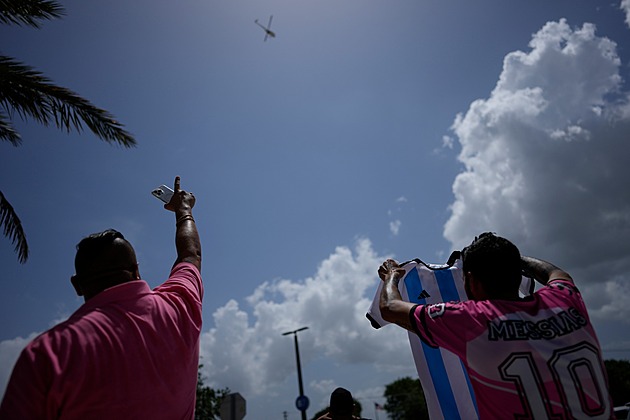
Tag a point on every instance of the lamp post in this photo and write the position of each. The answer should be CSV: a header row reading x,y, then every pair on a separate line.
x,y
302,401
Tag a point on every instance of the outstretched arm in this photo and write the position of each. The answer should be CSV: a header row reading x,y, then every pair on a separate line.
x,y
393,307
542,271
187,241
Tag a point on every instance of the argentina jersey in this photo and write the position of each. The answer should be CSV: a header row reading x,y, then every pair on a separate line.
x,y
446,385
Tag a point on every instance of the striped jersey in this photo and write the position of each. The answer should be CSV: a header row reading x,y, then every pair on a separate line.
x,y
545,357
443,377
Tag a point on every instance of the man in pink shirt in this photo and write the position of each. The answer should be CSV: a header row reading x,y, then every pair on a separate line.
x,y
128,352
527,358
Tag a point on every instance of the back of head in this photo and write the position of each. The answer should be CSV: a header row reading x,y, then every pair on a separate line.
x,y
104,259
341,404
495,262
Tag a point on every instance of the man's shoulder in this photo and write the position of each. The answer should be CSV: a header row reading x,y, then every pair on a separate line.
x,y
54,337
559,288
184,276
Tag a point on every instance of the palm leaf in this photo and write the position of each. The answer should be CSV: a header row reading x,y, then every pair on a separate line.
x,y
8,133
12,228
28,12
29,93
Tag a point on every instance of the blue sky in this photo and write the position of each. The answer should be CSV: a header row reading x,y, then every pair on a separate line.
x,y
364,130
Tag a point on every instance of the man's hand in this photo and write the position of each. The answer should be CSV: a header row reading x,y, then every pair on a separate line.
x,y
187,241
393,308
390,268
182,202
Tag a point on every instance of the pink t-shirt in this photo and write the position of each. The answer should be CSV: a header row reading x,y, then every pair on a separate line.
x,y
127,353
534,358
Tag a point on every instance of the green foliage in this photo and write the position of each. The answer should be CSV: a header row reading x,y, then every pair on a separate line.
x,y
618,380
208,400
405,400
27,93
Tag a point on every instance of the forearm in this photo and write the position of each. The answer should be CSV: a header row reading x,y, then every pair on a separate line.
x,y
542,271
187,241
393,307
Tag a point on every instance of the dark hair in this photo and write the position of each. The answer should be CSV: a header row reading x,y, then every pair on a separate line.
x,y
341,402
100,250
495,262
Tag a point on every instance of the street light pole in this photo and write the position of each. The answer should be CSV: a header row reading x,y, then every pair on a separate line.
x,y
301,398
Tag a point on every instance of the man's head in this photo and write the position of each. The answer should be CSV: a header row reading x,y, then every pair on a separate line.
x,y
341,404
103,260
492,268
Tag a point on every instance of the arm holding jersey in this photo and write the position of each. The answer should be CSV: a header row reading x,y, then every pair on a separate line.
x,y
393,307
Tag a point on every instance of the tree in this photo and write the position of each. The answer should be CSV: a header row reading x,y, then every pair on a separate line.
x,y
208,400
405,400
28,94
618,380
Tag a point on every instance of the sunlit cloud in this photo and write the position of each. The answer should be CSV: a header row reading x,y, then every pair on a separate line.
x,y
546,162
332,303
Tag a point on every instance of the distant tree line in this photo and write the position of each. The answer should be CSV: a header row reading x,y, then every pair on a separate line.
x,y
208,400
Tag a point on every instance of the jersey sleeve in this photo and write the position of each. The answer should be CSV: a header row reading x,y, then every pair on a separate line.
x,y
448,325
564,292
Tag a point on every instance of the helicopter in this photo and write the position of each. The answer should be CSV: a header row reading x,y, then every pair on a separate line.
x,y
268,32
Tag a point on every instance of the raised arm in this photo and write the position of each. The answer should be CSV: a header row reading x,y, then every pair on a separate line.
x,y
542,271
187,241
393,307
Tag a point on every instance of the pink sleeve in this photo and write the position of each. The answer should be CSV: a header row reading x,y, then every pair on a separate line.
x,y
446,325
186,279
184,287
26,393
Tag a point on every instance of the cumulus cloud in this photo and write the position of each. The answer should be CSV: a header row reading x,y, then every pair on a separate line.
x,y
625,6
245,349
546,160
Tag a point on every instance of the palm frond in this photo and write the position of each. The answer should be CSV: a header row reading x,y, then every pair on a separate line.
x,y
30,94
12,228
7,133
29,12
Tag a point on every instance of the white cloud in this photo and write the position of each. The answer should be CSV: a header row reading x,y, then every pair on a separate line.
x,y
625,6
394,227
245,350
448,142
546,161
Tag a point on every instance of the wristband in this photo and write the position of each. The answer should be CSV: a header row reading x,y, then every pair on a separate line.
x,y
184,218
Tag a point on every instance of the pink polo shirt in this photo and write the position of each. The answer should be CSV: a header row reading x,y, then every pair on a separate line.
x,y
128,353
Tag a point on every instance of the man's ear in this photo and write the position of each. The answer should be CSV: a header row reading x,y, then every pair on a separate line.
x,y
475,287
136,273
76,283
